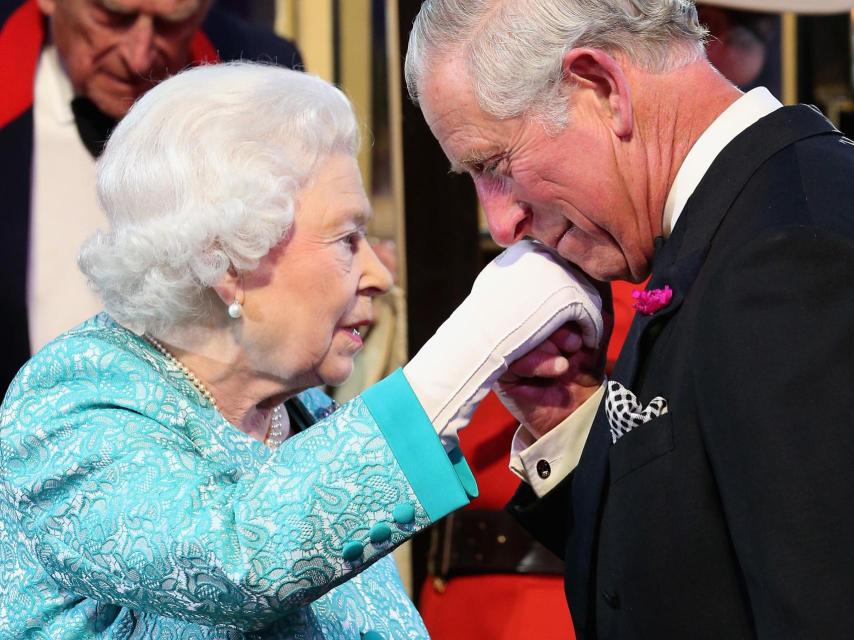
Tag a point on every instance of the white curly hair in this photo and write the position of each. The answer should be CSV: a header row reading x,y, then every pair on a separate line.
x,y
513,49
202,175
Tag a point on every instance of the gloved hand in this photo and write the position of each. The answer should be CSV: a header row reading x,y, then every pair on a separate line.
x,y
516,302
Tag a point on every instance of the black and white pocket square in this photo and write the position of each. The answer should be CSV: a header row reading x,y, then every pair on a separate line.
x,y
625,412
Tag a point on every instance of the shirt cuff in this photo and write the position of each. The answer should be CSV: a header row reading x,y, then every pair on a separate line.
x,y
544,462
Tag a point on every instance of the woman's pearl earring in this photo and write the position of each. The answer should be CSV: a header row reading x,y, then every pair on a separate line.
x,y
235,309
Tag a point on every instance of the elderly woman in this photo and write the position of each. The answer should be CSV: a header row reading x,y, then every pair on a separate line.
x,y
160,475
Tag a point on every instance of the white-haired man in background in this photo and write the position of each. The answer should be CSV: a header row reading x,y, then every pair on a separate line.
x,y
705,490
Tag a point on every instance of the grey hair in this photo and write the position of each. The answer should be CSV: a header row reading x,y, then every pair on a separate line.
x,y
513,49
202,175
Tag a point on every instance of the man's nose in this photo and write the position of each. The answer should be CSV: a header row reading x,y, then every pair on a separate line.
x,y
138,45
508,219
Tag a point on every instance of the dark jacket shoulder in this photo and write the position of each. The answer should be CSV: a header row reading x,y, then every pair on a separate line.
x,y
235,39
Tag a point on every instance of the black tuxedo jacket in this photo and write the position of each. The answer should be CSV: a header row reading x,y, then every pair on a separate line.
x,y
22,34
731,516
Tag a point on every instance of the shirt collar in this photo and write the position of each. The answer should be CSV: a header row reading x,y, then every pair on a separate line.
x,y
59,91
747,110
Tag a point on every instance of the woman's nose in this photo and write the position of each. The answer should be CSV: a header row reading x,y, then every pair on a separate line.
x,y
377,278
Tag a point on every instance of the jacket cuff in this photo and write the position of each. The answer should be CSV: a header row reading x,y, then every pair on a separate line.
x,y
442,481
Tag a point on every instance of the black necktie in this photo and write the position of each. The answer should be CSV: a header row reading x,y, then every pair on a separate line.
x,y
93,125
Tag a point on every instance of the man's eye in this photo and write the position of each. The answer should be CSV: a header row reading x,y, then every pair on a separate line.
x,y
116,19
167,27
484,168
492,168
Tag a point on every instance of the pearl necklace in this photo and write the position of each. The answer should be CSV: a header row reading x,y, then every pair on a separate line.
x,y
274,433
183,368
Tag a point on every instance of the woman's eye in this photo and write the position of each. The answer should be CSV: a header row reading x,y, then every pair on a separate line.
x,y
352,240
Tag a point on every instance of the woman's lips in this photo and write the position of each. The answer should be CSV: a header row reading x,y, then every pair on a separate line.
x,y
353,334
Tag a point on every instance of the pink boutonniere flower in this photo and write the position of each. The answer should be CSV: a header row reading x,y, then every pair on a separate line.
x,y
650,301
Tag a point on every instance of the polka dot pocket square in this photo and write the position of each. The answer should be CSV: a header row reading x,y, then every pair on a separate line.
x,y
625,412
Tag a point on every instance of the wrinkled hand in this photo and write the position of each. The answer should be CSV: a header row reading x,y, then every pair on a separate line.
x,y
543,387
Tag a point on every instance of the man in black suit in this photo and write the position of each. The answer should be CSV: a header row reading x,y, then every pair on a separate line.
x,y
704,491
70,70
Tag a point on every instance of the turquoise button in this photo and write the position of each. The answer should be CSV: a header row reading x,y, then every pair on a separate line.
x,y
403,513
464,474
380,533
372,635
352,551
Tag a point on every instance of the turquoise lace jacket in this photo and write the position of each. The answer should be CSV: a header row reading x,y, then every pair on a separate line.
x,y
129,507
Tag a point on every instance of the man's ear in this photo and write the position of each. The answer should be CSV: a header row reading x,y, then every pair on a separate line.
x,y
47,7
596,71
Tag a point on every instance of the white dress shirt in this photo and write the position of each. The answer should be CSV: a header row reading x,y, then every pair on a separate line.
x,y
545,462
64,209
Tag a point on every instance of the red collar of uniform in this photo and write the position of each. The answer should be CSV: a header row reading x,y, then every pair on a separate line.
x,y
20,43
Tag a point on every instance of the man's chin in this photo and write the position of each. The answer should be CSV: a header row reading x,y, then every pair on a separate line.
x,y
115,102
617,269
116,109
603,272
637,273
624,275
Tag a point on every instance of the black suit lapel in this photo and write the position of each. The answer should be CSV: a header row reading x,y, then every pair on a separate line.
x,y
676,265
663,274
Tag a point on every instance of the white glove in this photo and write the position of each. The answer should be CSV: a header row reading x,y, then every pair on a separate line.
x,y
516,302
